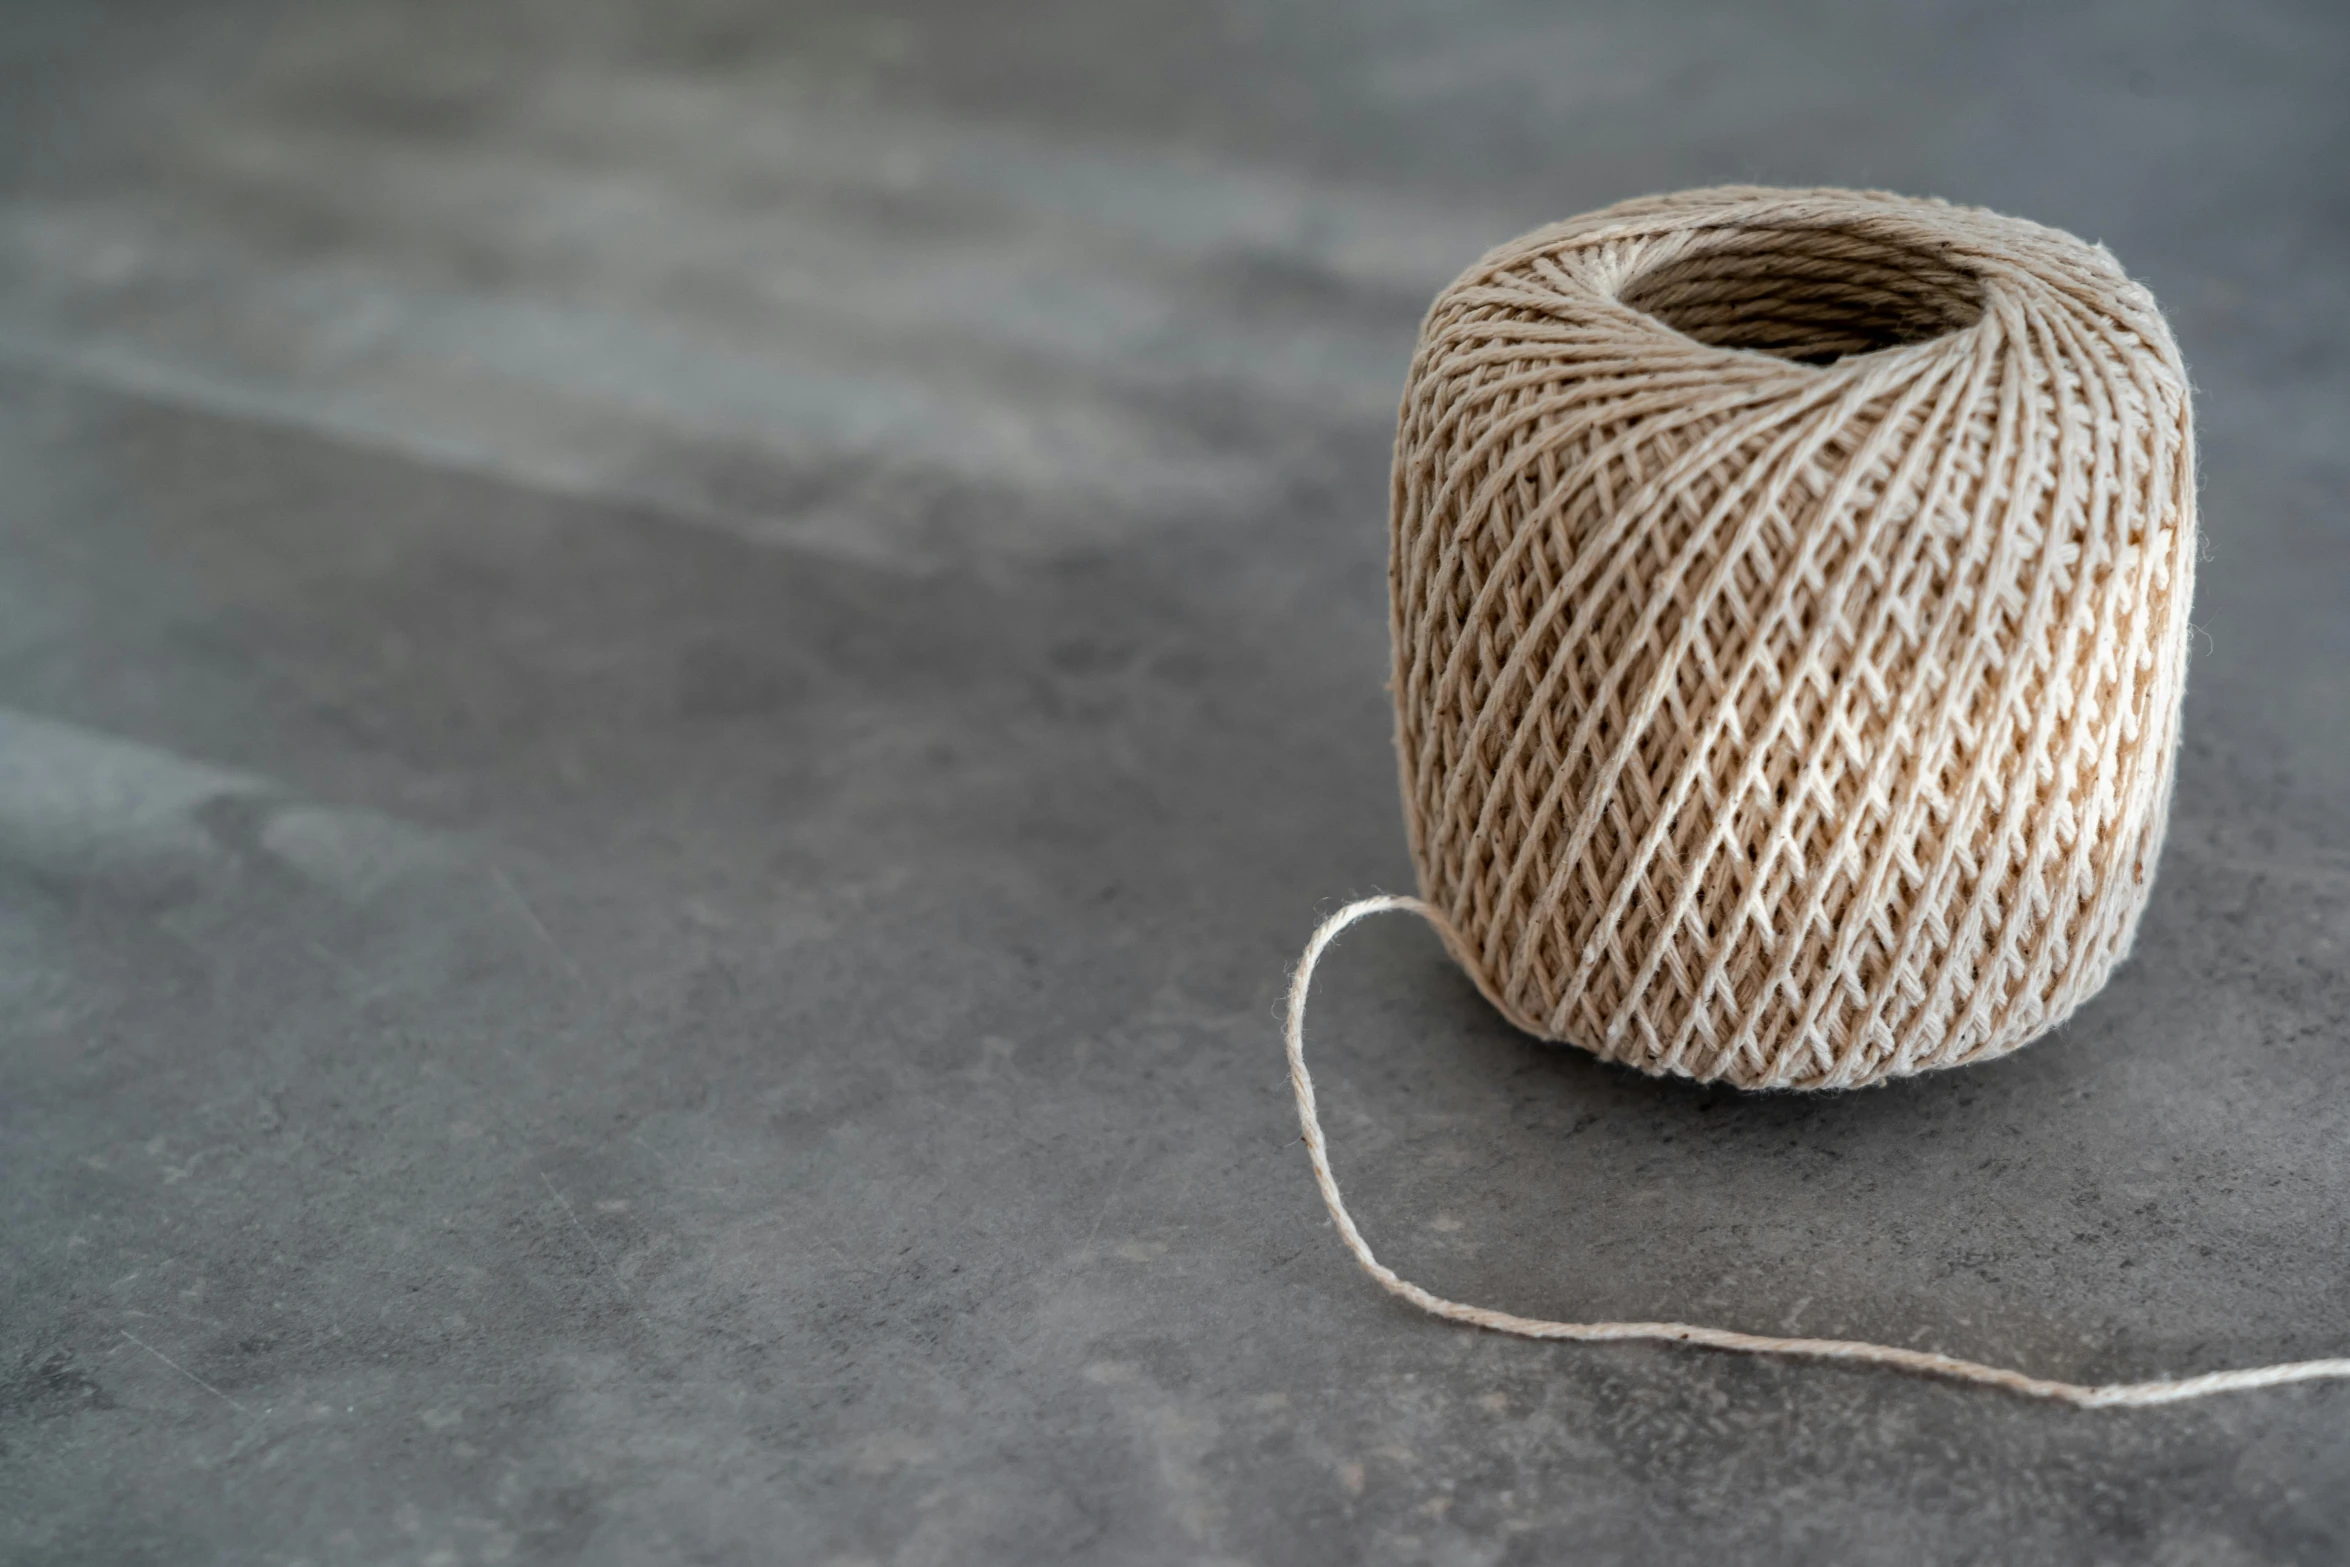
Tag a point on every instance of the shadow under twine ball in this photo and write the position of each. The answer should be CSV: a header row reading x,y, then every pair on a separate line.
x,y
1790,595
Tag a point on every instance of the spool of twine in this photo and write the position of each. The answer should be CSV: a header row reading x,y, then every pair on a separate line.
x,y
1789,597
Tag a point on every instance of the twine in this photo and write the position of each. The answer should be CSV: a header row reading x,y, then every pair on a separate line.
x,y
2106,1396
1789,595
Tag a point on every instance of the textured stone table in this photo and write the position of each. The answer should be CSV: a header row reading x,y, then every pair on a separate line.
x,y
674,683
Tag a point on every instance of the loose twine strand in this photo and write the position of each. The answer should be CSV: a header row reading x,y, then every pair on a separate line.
x,y
2107,1396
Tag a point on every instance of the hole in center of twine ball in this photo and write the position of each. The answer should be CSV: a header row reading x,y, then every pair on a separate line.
x,y
1812,294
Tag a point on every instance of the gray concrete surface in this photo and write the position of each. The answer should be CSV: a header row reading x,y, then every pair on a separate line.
x,y
675,680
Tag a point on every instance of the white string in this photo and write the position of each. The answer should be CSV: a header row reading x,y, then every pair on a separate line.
x,y
2107,1396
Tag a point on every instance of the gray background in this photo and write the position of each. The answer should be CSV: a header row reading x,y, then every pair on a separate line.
x,y
674,682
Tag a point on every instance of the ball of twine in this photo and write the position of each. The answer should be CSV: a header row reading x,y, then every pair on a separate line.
x,y
1790,595
1790,598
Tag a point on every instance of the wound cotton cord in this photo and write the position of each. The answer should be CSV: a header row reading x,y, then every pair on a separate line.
x,y
1789,596
2108,1396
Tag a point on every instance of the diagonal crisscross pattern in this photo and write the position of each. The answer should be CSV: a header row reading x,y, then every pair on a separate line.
x,y
1790,595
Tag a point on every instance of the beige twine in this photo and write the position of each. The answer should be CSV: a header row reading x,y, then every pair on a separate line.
x,y
1309,1118
1790,596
